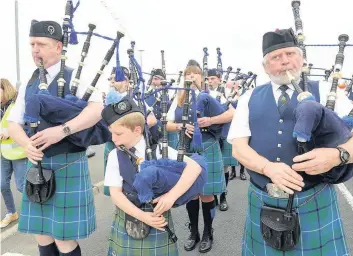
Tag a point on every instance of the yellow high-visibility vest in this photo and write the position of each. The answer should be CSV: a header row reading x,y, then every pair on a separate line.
x,y
9,148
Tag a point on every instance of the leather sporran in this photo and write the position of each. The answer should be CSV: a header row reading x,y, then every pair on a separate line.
x,y
278,230
135,228
40,184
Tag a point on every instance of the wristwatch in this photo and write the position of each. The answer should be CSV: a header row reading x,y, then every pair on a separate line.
x,y
66,130
344,156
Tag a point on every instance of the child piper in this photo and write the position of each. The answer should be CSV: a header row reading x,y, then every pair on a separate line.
x,y
127,123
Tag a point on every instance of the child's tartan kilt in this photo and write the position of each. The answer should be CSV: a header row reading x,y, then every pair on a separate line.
x,y
109,146
70,213
216,183
228,159
320,222
156,243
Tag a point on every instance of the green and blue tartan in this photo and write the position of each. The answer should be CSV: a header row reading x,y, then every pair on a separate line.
x,y
156,243
320,222
216,183
173,140
109,146
70,213
228,159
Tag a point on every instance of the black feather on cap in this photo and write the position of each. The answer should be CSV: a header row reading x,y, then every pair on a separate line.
x,y
50,29
159,73
281,38
114,112
193,63
214,72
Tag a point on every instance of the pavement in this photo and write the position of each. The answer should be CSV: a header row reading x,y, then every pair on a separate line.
x,y
228,225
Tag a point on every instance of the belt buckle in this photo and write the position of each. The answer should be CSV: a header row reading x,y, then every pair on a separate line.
x,y
274,191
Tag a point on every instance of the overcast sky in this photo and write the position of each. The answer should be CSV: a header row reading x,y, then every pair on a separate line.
x,y
181,28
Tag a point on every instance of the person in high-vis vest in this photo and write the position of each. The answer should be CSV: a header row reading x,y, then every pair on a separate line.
x,y
13,157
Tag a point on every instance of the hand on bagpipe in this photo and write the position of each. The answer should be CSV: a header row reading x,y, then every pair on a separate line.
x,y
318,129
54,111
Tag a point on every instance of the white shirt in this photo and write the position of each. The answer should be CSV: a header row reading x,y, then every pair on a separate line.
x,y
240,123
17,112
174,105
214,94
112,173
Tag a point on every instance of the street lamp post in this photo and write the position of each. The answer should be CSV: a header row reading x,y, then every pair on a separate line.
x,y
18,82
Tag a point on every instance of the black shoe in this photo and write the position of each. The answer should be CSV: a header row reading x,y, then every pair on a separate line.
x,y
242,176
232,174
192,240
223,206
206,242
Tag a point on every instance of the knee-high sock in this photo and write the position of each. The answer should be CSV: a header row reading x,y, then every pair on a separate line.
x,y
241,168
226,176
75,252
193,208
208,211
48,250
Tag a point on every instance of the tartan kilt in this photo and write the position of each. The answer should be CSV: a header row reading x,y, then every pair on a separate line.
x,y
109,146
228,159
156,243
320,222
173,140
70,213
216,183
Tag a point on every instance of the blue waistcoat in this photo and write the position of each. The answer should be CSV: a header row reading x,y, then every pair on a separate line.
x,y
63,146
272,134
128,173
157,111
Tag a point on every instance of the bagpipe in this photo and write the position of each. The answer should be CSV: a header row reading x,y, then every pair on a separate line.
x,y
317,126
300,37
163,63
221,88
133,71
342,81
40,182
53,110
245,84
205,67
76,81
162,174
219,61
177,85
157,177
237,77
156,97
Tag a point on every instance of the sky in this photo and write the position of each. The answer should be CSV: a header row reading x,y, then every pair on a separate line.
x,y
182,29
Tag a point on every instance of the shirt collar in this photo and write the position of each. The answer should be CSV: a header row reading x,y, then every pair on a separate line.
x,y
141,146
54,70
276,86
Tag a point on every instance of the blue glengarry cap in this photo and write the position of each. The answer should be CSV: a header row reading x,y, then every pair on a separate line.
x,y
115,111
281,38
50,29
